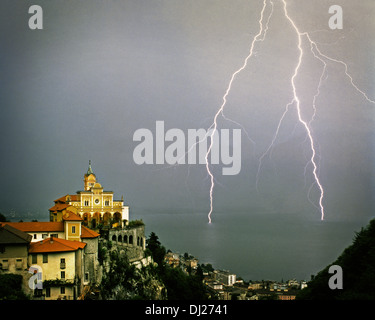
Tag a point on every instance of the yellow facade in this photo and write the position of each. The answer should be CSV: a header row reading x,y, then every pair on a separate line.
x,y
14,258
73,230
94,205
52,266
59,210
59,270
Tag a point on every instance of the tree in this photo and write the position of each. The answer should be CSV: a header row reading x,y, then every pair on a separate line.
x,y
3,218
358,265
157,250
118,282
179,285
207,267
199,273
11,287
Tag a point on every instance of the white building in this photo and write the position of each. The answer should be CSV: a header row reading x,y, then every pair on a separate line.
x,y
225,277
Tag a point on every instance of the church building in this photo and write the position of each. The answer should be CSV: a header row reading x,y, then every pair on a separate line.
x,y
94,205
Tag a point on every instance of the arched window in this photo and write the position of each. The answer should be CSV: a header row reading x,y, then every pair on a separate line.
x,y
130,239
93,223
126,239
97,217
117,217
119,239
106,218
114,238
137,241
86,218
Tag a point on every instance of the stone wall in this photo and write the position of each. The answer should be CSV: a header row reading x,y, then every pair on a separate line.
x,y
131,239
91,263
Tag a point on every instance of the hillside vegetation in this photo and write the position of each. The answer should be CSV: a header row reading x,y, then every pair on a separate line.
x,y
123,281
358,266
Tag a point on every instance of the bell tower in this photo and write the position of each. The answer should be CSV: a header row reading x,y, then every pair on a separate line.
x,y
89,178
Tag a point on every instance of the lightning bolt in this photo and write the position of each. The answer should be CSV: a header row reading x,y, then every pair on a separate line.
x,y
295,101
262,30
306,124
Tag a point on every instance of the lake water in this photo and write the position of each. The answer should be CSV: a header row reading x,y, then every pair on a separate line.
x,y
254,246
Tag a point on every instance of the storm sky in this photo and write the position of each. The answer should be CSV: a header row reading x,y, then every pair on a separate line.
x,y
99,70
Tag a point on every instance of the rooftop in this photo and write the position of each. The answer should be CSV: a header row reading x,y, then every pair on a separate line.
x,y
59,207
89,170
71,216
64,199
11,235
88,233
55,245
37,226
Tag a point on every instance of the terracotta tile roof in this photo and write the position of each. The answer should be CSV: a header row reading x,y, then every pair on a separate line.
x,y
73,197
37,226
59,207
55,245
62,199
49,227
71,216
88,233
